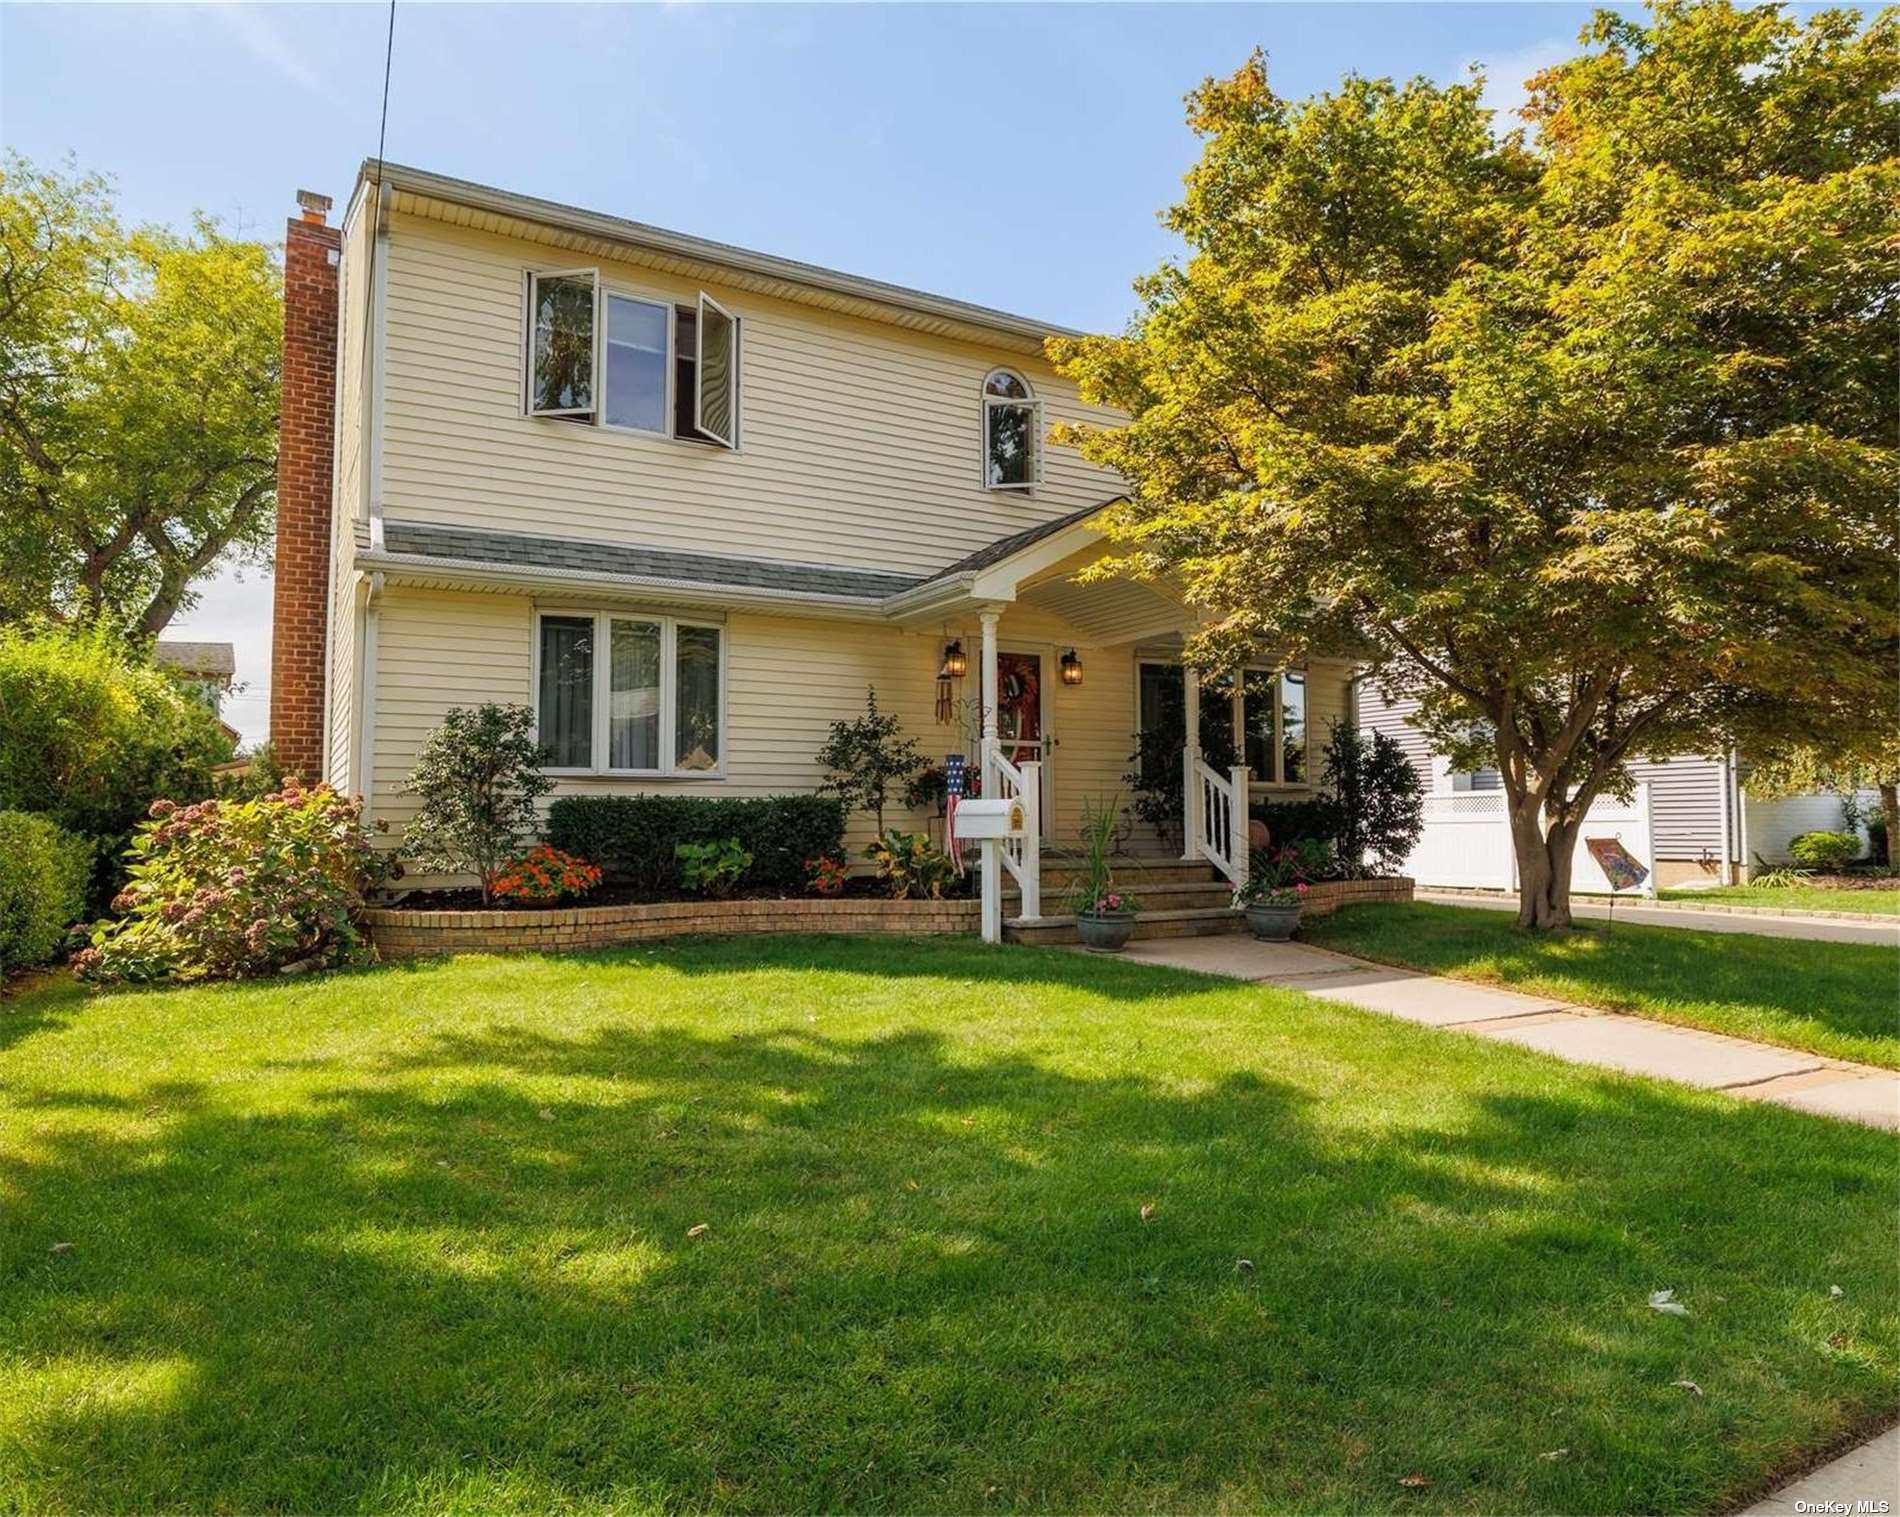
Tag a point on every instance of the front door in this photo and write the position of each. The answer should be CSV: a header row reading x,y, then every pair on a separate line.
x,y
1021,731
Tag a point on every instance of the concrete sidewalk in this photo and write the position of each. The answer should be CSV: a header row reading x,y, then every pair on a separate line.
x,y
1818,927
1869,1474
1581,1034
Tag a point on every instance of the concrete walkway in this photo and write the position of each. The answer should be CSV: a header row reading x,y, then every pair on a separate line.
x,y
1769,924
1866,1480
1581,1034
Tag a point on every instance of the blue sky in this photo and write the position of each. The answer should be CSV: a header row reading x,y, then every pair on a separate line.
x,y
1012,155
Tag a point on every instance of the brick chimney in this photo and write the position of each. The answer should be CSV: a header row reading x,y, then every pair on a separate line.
x,y
305,455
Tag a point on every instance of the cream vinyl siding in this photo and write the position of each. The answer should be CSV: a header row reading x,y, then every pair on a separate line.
x,y
788,679
859,441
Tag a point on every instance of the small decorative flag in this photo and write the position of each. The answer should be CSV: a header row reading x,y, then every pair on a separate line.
x,y
952,793
1620,867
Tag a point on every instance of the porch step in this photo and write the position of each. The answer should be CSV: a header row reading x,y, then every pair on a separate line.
x,y
1196,922
1139,873
1157,895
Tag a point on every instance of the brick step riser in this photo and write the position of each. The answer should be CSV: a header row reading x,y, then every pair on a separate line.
x,y
1135,877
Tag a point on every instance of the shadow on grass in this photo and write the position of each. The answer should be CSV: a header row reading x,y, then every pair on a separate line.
x,y
463,1272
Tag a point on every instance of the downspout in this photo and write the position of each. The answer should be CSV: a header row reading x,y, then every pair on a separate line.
x,y
377,348
1726,874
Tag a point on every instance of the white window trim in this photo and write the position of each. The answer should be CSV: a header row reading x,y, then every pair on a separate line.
x,y
989,403
699,372
597,417
603,674
1278,746
669,362
534,277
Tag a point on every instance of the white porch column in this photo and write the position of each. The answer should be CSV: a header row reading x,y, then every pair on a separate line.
x,y
1243,841
988,619
1190,761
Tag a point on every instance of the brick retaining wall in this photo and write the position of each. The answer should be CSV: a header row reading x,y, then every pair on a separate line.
x,y
1323,899
400,934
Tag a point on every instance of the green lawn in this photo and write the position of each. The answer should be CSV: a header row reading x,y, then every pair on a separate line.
x,y
1836,999
425,1239
1877,902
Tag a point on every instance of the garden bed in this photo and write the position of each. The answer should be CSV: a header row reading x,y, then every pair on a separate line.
x,y
409,932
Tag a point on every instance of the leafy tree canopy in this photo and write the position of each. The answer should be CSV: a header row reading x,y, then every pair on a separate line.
x,y
138,403
1585,430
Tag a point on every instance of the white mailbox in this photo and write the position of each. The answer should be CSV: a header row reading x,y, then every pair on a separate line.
x,y
990,819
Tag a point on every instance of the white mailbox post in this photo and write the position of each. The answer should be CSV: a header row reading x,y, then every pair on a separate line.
x,y
991,823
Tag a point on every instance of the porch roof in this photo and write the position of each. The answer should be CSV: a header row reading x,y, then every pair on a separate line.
x,y
1034,565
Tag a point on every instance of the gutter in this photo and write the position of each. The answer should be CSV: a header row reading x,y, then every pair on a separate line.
x,y
690,591
699,249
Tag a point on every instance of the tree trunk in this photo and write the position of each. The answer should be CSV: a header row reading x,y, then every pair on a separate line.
x,y
1890,813
1543,869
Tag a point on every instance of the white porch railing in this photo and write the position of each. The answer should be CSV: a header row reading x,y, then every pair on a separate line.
x,y
1004,781
1219,827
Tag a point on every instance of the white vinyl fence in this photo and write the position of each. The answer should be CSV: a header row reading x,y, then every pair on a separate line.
x,y
1466,843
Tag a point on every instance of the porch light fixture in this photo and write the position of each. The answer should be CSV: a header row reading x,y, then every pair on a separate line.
x,y
955,665
1071,668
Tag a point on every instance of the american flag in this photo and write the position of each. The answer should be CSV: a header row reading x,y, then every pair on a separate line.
x,y
952,793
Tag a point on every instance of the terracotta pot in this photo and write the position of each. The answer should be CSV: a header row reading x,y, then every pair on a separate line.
x,y
1105,931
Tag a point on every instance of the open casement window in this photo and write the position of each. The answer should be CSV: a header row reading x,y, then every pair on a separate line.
x,y
716,360
563,352
1012,433
628,693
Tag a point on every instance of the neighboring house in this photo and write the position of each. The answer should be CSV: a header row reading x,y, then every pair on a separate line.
x,y
688,501
1701,824
208,668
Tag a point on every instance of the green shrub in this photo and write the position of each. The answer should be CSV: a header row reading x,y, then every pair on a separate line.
x,y
479,776
1288,822
234,889
633,837
91,735
1380,801
1824,850
714,868
911,866
44,871
867,761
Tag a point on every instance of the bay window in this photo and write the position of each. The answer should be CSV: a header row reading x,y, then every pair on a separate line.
x,y
623,693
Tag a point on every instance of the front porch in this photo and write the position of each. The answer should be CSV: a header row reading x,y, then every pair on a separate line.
x,y
1078,692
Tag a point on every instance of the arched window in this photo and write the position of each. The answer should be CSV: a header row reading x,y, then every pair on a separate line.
x,y
1012,433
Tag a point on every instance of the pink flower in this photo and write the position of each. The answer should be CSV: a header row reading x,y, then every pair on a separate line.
x,y
163,808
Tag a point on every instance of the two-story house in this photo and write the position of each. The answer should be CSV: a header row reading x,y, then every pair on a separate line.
x,y
688,501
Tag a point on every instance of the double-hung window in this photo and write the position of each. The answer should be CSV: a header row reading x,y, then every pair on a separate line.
x,y
607,357
627,693
1012,433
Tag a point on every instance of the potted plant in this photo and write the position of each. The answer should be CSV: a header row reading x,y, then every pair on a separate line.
x,y
1273,893
1104,916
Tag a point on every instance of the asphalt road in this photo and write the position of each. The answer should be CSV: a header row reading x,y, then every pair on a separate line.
x,y
1762,924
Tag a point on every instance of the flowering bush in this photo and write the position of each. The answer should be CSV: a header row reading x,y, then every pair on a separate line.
x,y
826,874
545,874
1114,900
1278,877
233,889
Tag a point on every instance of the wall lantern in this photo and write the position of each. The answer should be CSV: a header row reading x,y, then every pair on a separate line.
x,y
1071,668
955,665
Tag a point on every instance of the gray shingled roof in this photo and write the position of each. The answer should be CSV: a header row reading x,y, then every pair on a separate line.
x,y
525,551
215,659
1003,547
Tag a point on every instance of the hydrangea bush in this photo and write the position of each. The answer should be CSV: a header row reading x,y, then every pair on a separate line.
x,y
236,889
